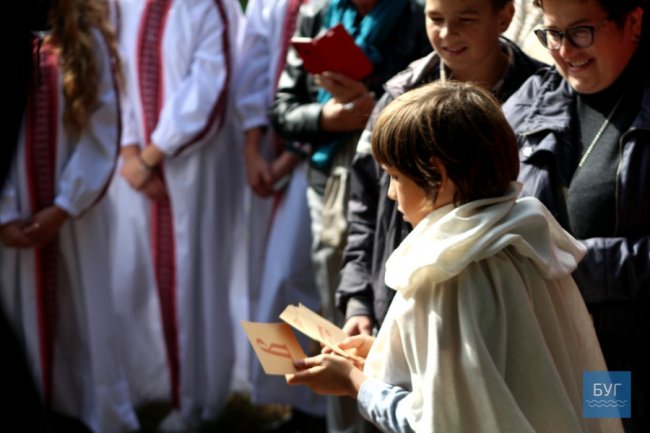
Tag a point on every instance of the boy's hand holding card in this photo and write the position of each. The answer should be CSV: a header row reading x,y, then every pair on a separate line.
x,y
317,328
276,345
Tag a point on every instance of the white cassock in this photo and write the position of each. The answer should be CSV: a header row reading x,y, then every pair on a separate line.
x,y
58,297
279,237
488,330
174,257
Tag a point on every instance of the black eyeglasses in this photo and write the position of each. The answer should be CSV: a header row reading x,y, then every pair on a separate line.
x,y
578,36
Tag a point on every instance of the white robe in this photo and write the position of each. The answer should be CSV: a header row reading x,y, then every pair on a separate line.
x,y
488,330
88,382
203,175
279,269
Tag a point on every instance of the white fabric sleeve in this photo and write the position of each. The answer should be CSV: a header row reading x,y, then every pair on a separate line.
x,y
129,124
188,109
88,171
253,79
382,404
9,201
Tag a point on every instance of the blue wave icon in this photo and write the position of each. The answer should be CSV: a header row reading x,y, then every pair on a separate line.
x,y
606,403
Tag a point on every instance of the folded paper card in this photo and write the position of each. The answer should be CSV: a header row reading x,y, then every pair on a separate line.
x,y
276,346
316,327
335,51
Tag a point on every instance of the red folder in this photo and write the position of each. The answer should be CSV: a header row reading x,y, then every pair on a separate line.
x,y
333,51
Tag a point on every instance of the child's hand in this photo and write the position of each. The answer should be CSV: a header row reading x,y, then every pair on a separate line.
x,y
258,169
44,225
342,87
337,116
135,173
283,165
358,345
12,235
155,188
356,325
258,174
328,374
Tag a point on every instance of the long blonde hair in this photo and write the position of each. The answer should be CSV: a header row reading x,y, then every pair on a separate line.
x,y
72,22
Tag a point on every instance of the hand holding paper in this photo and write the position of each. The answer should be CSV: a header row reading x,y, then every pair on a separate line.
x,y
318,328
329,375
276,345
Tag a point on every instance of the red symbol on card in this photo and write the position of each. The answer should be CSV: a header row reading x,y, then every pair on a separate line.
x,y
274,349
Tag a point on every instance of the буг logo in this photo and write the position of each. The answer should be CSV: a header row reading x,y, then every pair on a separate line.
x,y
606,394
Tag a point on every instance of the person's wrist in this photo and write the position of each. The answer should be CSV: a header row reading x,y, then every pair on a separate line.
x,y
147,167
357,378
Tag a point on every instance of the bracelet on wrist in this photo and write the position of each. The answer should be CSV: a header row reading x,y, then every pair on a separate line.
x,y
144,165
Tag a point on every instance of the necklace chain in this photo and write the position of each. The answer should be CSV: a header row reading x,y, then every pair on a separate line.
x,y
599,133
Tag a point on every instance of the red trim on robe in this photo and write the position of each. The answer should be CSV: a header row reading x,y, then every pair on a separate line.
x,y
150,79
288,29
40,159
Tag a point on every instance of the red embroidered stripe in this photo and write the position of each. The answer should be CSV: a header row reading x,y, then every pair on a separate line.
x,y
288,29
40,148
150,78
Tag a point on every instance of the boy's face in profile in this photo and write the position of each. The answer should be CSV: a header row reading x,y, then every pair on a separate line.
x,y
465,33
411,200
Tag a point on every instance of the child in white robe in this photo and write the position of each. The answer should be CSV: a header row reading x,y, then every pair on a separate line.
x,y
487,331
176,199
54,264
277,269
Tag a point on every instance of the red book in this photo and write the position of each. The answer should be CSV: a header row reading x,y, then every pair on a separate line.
x,y
333,51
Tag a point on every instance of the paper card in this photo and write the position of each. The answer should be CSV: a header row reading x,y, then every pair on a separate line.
x,y
275,345
317,328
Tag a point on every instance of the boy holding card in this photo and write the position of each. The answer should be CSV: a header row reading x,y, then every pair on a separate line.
x,y
487,331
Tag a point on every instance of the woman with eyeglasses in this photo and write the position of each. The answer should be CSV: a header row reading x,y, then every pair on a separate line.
x,y
584,133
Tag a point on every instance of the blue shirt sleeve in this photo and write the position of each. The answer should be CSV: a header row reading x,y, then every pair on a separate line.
x,y
383,405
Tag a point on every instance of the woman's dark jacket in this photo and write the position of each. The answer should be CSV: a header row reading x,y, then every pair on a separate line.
x,y
614,276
